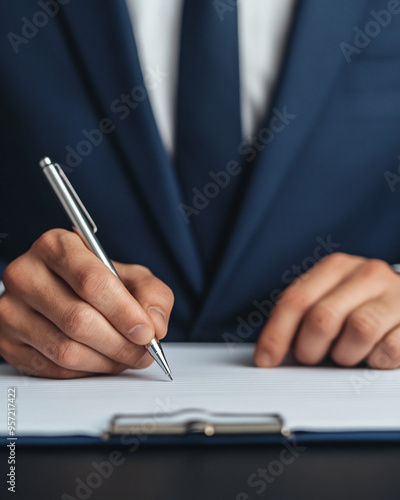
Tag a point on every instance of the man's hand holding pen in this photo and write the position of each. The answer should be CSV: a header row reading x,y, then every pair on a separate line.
x,y
65,315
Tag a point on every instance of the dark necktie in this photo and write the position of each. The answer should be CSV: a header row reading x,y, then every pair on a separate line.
x,y
208,122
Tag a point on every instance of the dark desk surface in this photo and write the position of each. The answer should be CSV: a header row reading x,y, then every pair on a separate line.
x,y
320,472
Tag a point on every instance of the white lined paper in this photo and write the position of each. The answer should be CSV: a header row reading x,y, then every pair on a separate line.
x,y
212,378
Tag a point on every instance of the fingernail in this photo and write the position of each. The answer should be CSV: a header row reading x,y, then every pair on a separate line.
x,y
263,358
140,333
159,318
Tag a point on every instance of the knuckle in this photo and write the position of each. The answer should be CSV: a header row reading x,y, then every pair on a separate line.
x,y
376,268
55,245
294,299
123,310
322,319
66,353
161,292
48,244
91,282
155,292
167,293
337,258
142,271
363,325
14,275
76,321
145,281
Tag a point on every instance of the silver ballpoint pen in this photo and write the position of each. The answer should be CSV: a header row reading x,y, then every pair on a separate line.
x,y
84,226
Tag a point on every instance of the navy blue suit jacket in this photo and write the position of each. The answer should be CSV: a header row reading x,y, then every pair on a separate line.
x,y
314,186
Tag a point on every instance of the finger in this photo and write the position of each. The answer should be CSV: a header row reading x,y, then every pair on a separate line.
x,y
28,361
155,297
28,327
364,328
65,254
285,319
75,323
327,318
386,355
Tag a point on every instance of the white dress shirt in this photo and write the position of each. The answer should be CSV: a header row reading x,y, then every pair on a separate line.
x,y
263,29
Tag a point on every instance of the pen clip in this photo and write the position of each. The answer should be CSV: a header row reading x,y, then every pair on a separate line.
x,y
75,196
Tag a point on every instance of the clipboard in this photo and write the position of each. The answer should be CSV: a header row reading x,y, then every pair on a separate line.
x,y
217,397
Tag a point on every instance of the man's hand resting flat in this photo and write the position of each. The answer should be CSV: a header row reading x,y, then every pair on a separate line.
x,y
65,315
346,307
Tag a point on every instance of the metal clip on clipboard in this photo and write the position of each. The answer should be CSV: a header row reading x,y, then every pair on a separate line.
x,y
195,421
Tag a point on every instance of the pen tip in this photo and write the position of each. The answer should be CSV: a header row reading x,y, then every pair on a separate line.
x,y
170,376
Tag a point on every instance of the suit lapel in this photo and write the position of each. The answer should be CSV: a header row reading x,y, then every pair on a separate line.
x,y
313,59
101,38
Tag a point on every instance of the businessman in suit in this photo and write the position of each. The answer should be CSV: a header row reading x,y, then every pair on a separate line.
x,y
241,158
